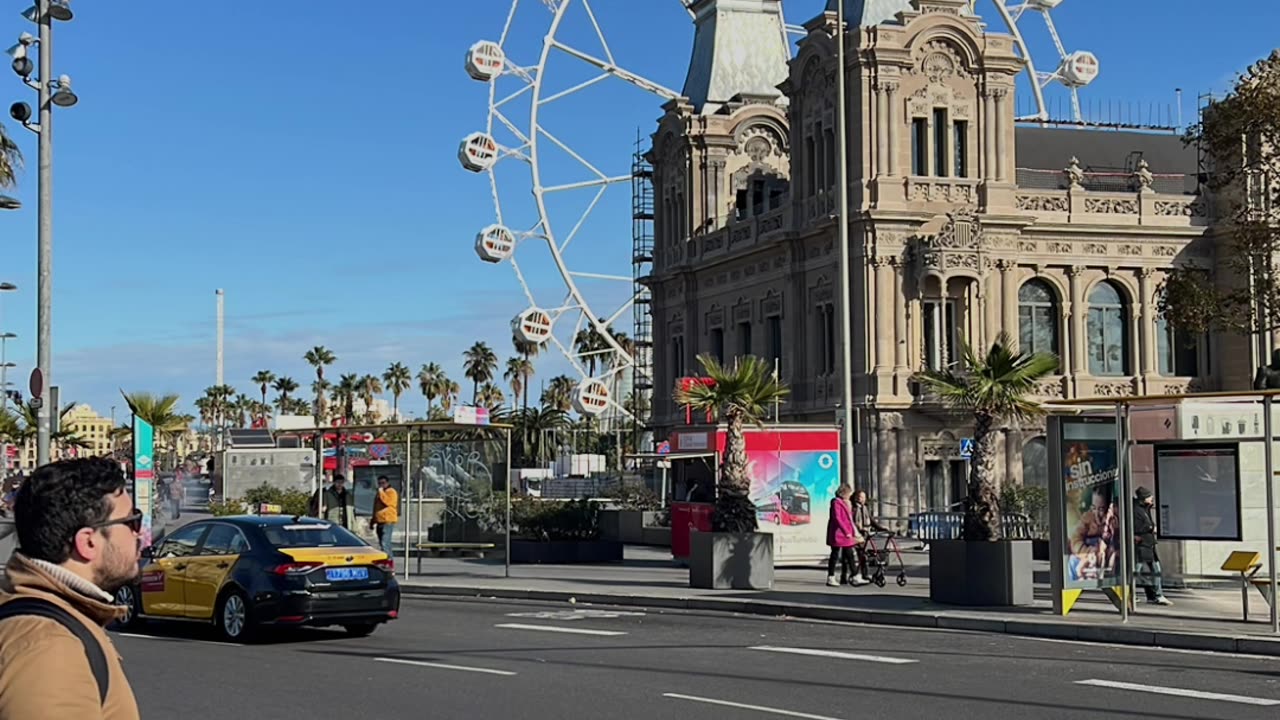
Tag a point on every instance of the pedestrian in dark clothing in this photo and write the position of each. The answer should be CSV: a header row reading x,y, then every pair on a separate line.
x,y
1146,558
866,524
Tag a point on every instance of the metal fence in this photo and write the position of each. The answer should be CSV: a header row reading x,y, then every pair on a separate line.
x,y
927,526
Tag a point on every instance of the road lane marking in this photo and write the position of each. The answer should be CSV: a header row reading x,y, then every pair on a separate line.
x,y
575,614
141,636
743,706
1179,692
554,629
835,654
445,666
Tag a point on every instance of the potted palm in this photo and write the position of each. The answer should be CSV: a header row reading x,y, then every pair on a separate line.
x,y
733,555
982,568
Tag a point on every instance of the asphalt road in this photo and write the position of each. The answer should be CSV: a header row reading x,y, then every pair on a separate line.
x,y
504,659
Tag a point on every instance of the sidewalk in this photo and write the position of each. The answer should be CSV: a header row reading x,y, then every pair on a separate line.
x,y
1201,618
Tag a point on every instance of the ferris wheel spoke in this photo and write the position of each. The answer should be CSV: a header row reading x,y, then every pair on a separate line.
x,y
511,127
634,79
582,220
601,276
571,153
576,88
604,44
513,96
605,181
528,294
506,26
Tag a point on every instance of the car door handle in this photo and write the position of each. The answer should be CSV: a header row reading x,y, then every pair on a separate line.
x,y
223,565
180,567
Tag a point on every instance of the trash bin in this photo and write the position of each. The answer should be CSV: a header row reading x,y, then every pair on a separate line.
x,y
685,518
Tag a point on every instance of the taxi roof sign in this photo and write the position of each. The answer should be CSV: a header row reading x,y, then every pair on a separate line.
x,y
269,509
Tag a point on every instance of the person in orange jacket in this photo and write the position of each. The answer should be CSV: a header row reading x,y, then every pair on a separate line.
x,y
386,513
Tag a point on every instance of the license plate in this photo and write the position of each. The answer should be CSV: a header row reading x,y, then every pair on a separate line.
x,y
341,574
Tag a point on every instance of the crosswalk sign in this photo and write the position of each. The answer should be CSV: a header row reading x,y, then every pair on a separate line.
x,y
966,448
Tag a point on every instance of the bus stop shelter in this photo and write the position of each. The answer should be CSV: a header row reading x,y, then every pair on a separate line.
x,y
1208,459
454,468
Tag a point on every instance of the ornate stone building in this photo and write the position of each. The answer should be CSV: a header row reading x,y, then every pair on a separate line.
x,y
963,224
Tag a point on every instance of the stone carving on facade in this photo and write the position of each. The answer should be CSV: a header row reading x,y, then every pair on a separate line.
x,y
1165,251
1043,203
742,311
940,447
1050,388
957,246
735,275
740,235
771,305
1074,173
1111,206
1028,246
956,193
1182,208
939,61
722,278
713,243
922,102
1142,177
772,222
1095,249
1131,250
715,317
1115,389
1061,248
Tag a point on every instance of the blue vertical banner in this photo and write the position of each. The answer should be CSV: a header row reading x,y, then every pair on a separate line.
x,y
143,473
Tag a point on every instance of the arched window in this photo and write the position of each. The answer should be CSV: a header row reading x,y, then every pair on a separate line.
x,y
1177,350
1108,331
1038,317
1035,463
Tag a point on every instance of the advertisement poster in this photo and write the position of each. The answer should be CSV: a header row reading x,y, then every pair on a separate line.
x,y
143,473
794,475
1091,503
1198,492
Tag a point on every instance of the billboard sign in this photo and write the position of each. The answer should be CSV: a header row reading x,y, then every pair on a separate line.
x,y
1087,494
144,473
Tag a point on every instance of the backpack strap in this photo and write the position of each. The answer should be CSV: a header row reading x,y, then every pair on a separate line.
x,y
92,648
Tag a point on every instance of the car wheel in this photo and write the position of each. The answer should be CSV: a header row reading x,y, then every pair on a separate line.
x,y
360,629
127,597
233,618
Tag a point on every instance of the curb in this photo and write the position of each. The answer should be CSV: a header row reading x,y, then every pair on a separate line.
x,y
1045,629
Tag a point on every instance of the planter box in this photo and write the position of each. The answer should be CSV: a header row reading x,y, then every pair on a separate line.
x,y
731,561
984,574
528,552
658,536
1040,550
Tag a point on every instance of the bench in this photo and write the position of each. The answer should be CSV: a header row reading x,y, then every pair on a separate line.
x,y
1246,564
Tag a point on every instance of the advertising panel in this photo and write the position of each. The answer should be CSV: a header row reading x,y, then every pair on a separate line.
x,y
143,473
794,475
1091,495
1198,492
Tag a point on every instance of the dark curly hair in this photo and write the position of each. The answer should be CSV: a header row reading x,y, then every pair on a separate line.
x,y
59,500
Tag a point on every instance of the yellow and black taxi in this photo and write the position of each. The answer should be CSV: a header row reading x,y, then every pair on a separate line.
x,y
248,572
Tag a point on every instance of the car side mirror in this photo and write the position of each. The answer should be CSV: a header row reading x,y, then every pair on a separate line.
x,y
148,552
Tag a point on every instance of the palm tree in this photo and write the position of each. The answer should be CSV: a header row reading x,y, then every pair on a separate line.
x,y
369,386
479,365
319,357
740,395
431,379
532,427
590,345
991,389
284,386
490,396
262,380
345,393
449,391
558,394
397,379
242,408
528,351
519,371
319,388
10,160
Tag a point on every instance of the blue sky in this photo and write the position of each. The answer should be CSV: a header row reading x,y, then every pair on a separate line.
x,y
303,157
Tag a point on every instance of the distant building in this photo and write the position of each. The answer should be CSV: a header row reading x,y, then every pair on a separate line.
x,y
91,428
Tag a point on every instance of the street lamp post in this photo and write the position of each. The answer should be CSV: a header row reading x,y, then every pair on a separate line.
x,y
846,350
50,91
5,287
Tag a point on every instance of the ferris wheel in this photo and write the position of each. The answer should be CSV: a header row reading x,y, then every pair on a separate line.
x,y
542,235
1073,70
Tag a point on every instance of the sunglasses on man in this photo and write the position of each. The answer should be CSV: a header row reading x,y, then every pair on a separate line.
x,y
133,521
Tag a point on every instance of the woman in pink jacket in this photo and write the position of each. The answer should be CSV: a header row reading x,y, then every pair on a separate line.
x,y
841,537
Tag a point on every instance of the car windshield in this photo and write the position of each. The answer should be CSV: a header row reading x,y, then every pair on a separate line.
x,y
302,535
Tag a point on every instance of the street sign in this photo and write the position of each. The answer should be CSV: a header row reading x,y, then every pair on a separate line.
x,y
664,448
966,448
380,451
35,403
36,386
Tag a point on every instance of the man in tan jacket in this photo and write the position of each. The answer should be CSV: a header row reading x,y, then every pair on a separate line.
x,y
78,542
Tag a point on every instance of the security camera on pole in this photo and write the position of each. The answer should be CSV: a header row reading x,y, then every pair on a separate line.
x,y
51,91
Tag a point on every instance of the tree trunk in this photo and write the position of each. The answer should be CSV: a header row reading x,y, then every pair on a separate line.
x,y
734,511
982,507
